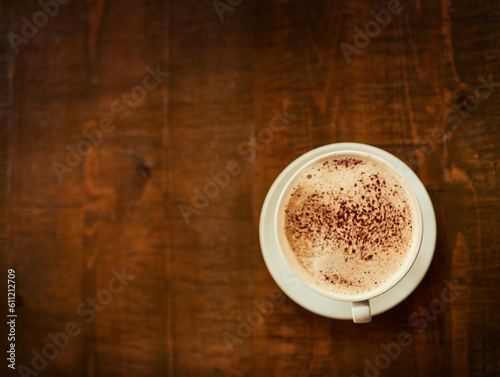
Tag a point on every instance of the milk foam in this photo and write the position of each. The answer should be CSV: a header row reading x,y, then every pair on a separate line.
x,y
350,224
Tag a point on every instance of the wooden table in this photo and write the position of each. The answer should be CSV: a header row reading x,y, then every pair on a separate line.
x,y
117,115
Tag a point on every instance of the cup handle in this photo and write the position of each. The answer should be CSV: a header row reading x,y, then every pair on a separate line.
x,y
361,312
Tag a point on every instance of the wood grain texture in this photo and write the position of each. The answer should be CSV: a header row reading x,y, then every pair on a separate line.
x,y
198,274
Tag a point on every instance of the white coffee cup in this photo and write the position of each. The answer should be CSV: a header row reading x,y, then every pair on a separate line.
x,y
360,304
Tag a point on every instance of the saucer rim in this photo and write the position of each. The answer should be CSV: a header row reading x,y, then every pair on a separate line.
x,y
299,292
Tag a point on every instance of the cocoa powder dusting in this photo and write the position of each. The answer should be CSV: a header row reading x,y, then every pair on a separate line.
x,y
366,221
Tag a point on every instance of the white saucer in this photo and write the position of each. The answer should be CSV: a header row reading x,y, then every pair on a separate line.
x,y
293,287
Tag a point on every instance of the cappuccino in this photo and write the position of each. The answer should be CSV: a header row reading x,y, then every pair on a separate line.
x,y
348,224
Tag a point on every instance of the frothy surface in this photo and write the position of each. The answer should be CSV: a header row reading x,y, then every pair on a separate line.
x,y
350,224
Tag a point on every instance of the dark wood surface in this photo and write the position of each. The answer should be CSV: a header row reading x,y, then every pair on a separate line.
x,y
409,91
